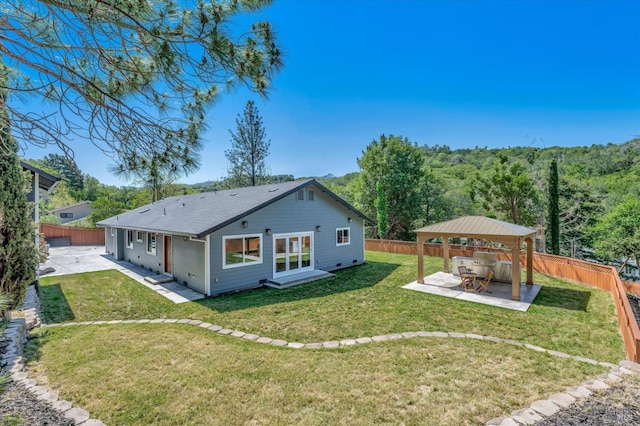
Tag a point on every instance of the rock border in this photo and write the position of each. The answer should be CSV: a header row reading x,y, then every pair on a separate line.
x,y
538,410
13,361
332,344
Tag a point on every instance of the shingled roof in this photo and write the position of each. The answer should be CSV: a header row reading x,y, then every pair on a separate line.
x,y
203,213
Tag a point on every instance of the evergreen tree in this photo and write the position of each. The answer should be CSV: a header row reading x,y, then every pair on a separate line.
x,y
397,164
554,208
135,78
381,211
18,254
249,149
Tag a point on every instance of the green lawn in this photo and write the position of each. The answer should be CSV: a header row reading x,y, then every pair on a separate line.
x,y
168,374
173,374
362,301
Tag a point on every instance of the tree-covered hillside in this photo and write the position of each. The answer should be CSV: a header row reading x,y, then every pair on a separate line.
x,y
593,182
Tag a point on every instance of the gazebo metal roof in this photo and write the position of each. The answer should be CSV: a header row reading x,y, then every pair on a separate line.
x,y
476,226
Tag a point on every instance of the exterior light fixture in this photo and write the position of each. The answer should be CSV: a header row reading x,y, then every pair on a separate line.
x,y
245,223
318,228
349,220
267,231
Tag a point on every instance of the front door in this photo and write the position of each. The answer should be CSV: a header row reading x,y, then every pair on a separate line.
x,y
292,253
167,255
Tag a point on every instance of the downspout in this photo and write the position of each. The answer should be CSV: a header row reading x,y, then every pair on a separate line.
x,y
207,265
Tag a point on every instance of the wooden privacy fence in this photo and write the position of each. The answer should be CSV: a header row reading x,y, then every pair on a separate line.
x,y
591,274
77,236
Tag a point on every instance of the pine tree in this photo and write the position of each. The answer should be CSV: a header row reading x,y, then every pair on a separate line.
x,y
134,78
18,254
554,209
249,149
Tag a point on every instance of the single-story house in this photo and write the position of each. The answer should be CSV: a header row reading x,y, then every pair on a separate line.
x,y
223,241
72,212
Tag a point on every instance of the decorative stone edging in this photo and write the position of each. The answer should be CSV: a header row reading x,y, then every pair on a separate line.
x,y
535,412
540,409
333,343
13,361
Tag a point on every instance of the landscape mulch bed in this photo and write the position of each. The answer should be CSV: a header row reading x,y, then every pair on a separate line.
x,y
20,407
618,405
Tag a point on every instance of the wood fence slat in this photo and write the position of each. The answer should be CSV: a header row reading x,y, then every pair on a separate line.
x,y
77,236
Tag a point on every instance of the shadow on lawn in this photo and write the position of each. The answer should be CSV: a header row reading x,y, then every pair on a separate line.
x,y
367,275
55,307
565,298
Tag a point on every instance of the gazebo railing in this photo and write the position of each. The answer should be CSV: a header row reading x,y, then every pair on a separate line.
x,y
603,277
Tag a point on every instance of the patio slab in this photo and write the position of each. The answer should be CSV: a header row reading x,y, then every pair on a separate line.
x,y
448,285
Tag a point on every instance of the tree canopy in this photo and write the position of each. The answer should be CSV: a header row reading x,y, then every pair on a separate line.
x,y
397,164
133,77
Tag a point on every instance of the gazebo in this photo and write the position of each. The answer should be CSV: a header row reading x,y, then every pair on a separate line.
x,y
509,234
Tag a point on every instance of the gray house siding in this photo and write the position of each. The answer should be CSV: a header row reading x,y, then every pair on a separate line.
x,y
286,216
77,211
188,263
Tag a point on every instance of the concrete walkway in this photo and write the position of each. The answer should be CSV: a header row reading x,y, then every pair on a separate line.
x,y
77,259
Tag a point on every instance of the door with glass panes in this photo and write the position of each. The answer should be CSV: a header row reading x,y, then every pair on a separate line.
x,y
292,253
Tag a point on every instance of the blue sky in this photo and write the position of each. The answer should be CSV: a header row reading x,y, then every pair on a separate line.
x,y
457,73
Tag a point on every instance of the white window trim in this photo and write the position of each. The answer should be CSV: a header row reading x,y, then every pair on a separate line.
x,y
149,235
240,265
129,241
141,234
343,229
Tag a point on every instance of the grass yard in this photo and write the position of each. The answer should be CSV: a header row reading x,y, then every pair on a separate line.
x,y
169,374
362,301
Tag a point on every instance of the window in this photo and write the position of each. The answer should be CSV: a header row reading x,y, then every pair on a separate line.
x,y
241,250
310,195
139,236
300,195
66,215
342,237
129,238
151,243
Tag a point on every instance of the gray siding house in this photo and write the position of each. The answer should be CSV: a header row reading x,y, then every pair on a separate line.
x,y
223,241
73,212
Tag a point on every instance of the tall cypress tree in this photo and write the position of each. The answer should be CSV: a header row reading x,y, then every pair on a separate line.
x,y
381,211
18,255
554,208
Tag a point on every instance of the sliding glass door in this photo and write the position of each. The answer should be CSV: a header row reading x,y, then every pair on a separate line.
x,y
293,253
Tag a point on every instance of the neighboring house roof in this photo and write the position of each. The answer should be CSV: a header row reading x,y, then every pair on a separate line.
x,y
476,226
46,181
81,203
203,213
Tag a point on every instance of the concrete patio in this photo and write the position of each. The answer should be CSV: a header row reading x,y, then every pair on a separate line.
x,y
77,259
448,285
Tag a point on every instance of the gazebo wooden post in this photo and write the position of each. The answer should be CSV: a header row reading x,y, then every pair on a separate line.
x,y
445,253
515,271
420,242
530,261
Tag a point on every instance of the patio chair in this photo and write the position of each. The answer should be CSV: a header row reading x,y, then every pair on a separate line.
x,y
467,279
484,284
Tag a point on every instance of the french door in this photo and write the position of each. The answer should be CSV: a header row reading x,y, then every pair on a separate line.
x,y
292,253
